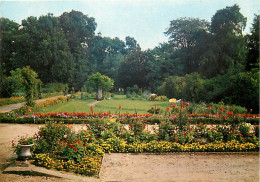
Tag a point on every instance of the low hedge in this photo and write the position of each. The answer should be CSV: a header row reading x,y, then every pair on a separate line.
x,y
32,120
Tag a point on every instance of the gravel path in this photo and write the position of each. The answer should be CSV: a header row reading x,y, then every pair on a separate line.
x,y
141,167
93,103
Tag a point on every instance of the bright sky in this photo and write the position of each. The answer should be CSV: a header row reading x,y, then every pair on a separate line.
x,y
145,20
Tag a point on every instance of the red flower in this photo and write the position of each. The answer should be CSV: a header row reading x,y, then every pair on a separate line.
x,y
76,149
176,140
249,134
168,109
120,107
90,138
251,110
79,142
58,139
181,104
230,113
91,109
42,136
209,107
90,133
155,107
187,104
208,128
224,117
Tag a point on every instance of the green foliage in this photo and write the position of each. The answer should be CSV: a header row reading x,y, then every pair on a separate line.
x,y
155,110
100,82
189,87
253,45
55,87
244,129
29,81
50,136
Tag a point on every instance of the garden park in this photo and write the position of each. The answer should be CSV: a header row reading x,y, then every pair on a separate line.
x,y
84,107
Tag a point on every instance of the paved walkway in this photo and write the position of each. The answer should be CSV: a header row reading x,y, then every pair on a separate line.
x,y
10,107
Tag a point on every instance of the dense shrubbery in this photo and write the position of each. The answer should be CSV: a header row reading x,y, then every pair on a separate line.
x,y
240,88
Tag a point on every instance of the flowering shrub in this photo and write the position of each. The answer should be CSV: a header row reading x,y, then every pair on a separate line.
x,y
60,148
11,100
52,137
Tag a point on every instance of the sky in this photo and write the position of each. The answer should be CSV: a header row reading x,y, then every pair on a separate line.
x,y
145,20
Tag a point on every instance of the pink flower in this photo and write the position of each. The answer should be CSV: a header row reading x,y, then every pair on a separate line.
x,y
187,104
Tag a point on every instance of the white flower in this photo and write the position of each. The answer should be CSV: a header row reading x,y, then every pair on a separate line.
x,y
65,136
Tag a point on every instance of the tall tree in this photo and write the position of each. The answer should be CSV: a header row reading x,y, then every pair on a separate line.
x,y
8,34
132,70
227,26
183,36
79,30
253,45
43,46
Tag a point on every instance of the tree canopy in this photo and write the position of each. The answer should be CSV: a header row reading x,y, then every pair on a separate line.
x,y
202,61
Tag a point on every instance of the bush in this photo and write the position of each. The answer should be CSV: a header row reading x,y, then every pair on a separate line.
x,y
55,87
161,98
155,110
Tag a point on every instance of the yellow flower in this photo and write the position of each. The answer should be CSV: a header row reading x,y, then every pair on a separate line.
x,y
172,100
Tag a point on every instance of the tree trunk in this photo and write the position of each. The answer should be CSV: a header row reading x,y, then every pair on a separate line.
x,y
100,94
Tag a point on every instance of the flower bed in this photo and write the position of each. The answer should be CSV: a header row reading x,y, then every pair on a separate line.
x,y
84,118
11,100
57,146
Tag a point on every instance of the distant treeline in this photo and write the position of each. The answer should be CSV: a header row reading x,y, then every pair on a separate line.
x,y
202,61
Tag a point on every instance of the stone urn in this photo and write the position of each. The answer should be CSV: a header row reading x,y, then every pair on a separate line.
x,y
25,152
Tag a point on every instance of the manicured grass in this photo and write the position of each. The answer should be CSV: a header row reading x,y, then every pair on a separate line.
x,y
71,106
128,106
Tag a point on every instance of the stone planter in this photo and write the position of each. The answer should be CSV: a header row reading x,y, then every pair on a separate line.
x,y
25,152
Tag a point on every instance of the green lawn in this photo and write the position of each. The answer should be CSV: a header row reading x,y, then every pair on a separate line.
x,y
71,106
128,106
